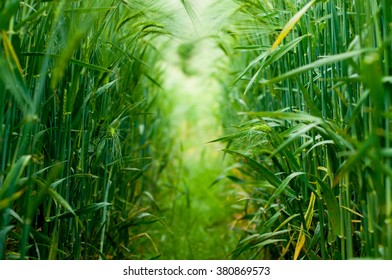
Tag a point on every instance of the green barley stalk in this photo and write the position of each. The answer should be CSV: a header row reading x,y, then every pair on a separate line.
x,y
327,117
74,80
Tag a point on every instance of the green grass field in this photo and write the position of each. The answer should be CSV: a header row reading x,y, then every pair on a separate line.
x,y
248,129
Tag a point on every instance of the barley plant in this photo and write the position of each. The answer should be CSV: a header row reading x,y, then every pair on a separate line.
x,y
309,121
77,83
94,157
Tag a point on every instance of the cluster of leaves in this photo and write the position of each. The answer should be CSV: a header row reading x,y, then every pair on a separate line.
x,y
313,94
76,88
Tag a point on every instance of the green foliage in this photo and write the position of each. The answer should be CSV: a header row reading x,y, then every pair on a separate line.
x,y
85,137
318,79
76,89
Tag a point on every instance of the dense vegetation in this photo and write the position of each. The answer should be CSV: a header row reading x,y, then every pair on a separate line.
x,y
76,94
313,92
92,166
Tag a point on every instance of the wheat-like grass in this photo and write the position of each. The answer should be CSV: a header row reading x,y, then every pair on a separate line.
x,y
323,89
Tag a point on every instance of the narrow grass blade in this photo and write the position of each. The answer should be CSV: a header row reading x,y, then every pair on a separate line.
x,y
318,63
283,186
9,186
291,23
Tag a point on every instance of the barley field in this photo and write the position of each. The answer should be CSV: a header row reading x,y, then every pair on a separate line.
x,y
186,129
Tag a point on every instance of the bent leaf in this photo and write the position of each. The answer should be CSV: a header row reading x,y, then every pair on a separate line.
x,y
291,23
